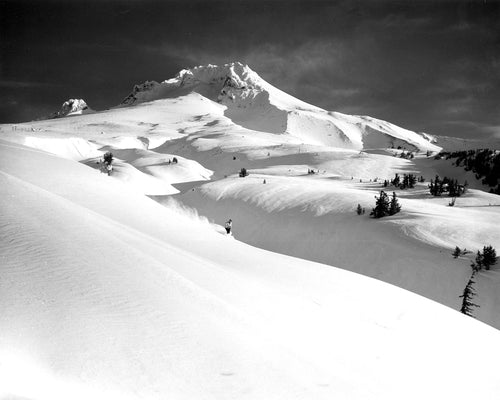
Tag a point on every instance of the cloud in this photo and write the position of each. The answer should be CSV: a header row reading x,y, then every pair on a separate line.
x,y
16,84
314,69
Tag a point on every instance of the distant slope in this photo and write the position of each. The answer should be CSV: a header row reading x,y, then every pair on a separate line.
x,y
255,104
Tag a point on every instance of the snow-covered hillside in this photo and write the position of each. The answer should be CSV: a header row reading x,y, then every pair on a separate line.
x,y
106,294
126,286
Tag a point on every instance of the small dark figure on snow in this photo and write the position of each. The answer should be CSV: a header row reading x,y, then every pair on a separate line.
x,y
229,225
109,169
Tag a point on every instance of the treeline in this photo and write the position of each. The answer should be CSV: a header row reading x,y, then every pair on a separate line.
x,y
485,163
407,181
449,186
486,260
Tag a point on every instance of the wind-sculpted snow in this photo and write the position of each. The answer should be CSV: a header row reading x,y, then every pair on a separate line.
x,y
106,294
73,147
282,193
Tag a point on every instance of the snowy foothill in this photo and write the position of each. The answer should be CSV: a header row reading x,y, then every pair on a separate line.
x,y
127,286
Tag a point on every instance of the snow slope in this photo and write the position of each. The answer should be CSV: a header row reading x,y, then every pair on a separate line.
x,y
313,217
107,294
308,216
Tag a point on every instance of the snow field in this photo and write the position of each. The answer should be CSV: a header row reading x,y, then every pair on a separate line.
x,y
105,293
129,299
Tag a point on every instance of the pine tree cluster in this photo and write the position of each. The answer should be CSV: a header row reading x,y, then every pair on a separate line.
x,y
486,259
408,155
385,206
485,163
459,252
451,187
407,182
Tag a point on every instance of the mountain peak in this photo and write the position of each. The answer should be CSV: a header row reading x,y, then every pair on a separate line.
x,y
208,80
71,107
211,72
255,104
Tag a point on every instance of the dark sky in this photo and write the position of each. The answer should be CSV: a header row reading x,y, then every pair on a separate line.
x,y
429,66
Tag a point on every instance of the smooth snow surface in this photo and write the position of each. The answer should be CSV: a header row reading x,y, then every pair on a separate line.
x,y
127,287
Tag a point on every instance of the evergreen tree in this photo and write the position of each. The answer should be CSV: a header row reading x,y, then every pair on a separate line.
x,y
405,183
474,267
396,180
479,260
108,157
489,257
359,209
243,172
434,186
394,206
467,296
440,186
381,206
412,180
457,252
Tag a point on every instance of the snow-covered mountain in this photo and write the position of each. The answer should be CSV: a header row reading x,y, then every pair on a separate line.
x,y
72,107
127,286
255,104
